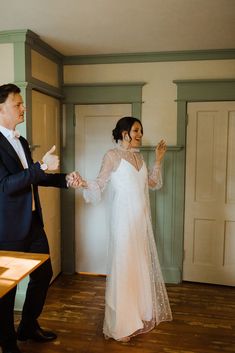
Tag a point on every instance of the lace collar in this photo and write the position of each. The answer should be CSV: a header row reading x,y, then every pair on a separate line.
x,y
131,149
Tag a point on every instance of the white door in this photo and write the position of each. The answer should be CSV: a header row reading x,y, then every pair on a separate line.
x,y
45,134
209,239
93,137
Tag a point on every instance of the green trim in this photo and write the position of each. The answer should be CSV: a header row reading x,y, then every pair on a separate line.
x,y
199,91
206,90
24,41
19,62
110,84
103,93
35,42
68,196
137,110
45,88
192,91
169,148
28,62
13,36
181,122
189,55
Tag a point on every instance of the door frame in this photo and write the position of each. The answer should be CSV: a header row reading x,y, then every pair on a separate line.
x,y
77,94
194,91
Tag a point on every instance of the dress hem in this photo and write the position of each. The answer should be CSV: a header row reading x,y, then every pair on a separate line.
x,y
148,326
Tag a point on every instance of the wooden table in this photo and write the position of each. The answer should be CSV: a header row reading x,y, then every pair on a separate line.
x,y
14,266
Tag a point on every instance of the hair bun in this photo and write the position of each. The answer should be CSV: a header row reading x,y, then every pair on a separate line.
x,y
115,134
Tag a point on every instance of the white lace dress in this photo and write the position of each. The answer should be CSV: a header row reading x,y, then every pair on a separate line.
x,y
136,299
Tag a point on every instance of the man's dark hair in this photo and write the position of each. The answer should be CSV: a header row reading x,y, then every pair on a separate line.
x,y
7,89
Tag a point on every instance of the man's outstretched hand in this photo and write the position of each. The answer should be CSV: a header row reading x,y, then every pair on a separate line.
x,y
75,180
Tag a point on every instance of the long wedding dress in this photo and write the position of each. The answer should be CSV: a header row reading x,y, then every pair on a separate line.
x,y
136,299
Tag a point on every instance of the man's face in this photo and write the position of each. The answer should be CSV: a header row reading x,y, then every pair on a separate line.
x,y
12,111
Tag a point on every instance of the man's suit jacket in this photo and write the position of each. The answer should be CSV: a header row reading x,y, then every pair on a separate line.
x,y
16,187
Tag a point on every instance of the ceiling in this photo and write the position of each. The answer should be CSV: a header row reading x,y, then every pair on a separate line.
x,y
90,27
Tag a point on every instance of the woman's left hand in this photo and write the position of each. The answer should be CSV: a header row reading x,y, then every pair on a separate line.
x,y
160,150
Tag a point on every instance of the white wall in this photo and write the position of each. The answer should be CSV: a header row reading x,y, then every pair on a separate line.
x,y
6,63
159,115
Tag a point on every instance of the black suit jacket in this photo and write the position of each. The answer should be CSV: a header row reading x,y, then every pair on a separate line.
x,y
16,185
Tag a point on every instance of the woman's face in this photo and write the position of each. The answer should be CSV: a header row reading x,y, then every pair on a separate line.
x,y
136,135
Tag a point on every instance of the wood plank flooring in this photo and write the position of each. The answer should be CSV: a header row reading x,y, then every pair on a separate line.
x,y
203,320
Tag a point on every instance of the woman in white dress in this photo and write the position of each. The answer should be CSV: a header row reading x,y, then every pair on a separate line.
x,y
136,299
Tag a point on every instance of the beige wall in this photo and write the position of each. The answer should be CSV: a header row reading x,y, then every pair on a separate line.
x,y
159,112
6,63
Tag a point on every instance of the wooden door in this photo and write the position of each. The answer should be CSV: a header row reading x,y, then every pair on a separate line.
x,y
209,239
94,125
45,134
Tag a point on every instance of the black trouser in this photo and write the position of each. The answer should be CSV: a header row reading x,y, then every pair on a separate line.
x,y
35,242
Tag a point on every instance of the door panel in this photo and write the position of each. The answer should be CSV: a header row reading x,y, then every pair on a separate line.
x,y
94,125
209,240
45,134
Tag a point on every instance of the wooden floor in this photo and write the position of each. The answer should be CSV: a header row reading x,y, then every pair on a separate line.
x,y
203,320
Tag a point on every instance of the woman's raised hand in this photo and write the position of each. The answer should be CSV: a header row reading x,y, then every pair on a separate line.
x,y
160,151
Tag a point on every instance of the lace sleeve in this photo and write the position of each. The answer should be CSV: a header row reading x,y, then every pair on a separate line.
x,y
95,187
155,177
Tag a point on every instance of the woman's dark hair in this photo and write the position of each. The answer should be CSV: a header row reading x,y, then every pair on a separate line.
x,y
125,124
7,89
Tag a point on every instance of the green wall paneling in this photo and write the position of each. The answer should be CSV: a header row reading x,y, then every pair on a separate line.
x,y
164,213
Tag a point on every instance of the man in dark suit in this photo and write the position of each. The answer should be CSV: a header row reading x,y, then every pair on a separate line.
x,y
21,226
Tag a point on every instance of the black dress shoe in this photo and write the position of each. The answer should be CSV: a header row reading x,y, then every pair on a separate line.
x,y
38,335
11,349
